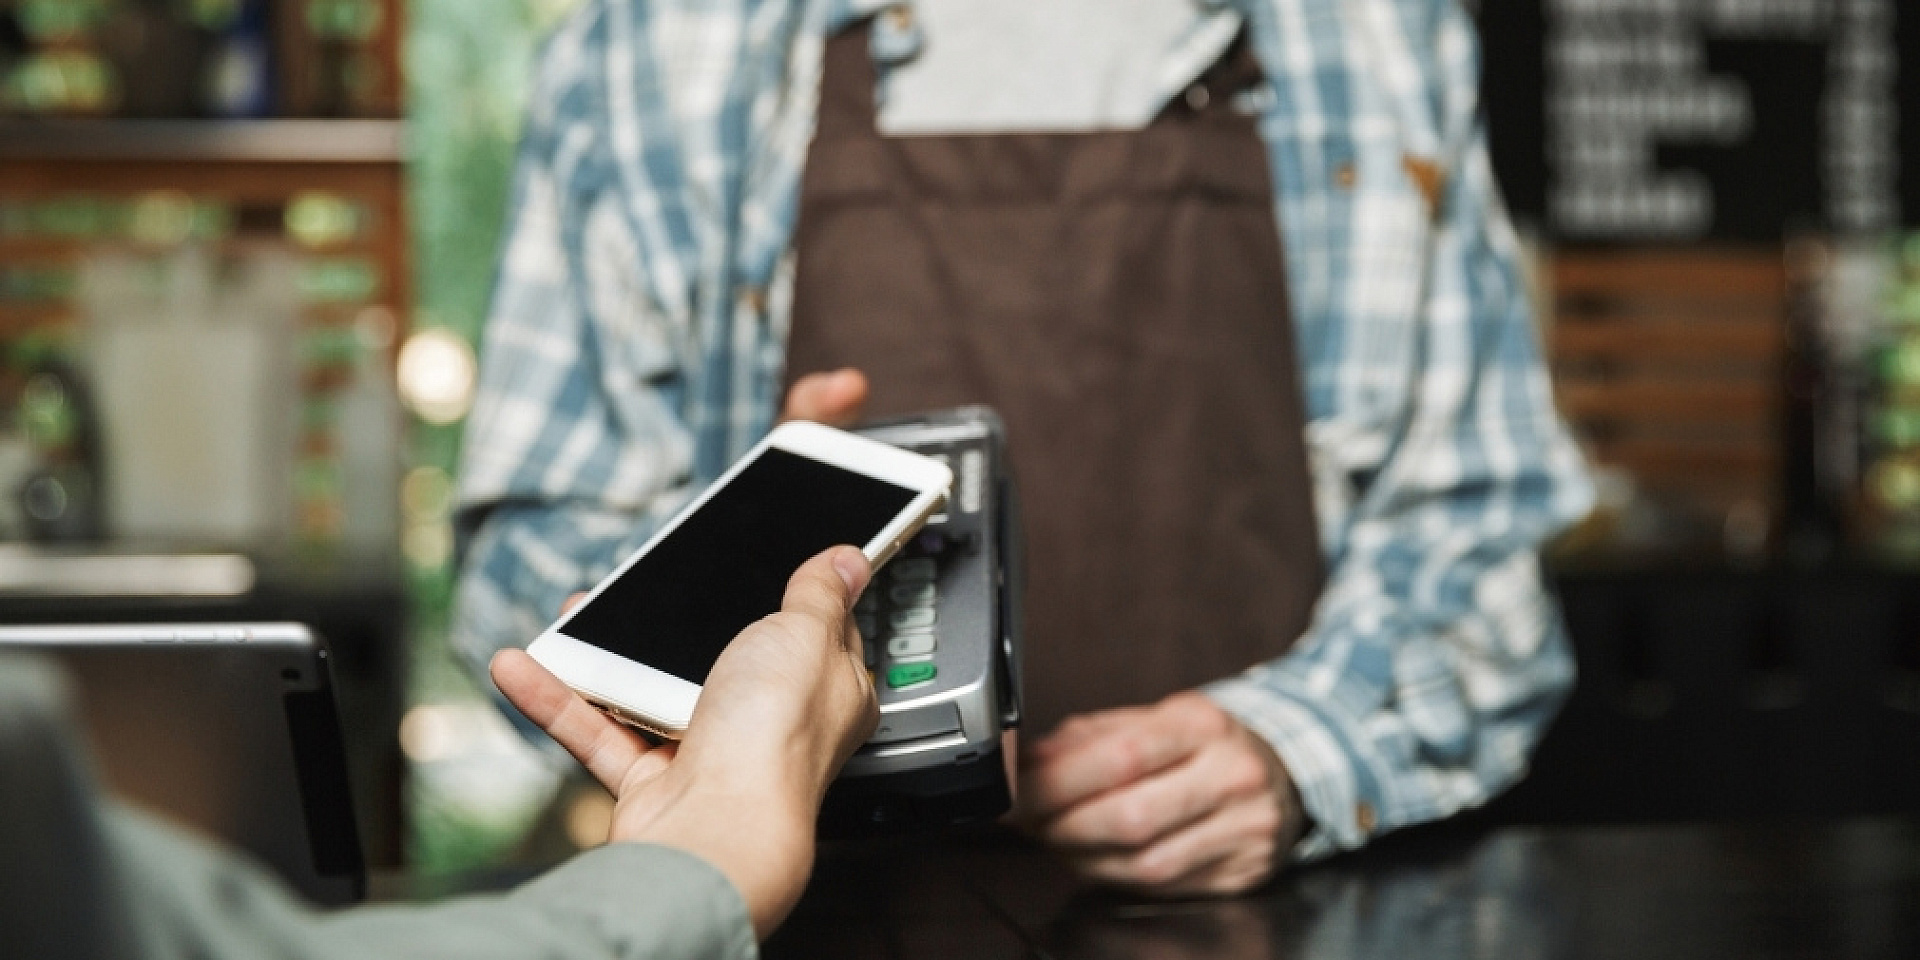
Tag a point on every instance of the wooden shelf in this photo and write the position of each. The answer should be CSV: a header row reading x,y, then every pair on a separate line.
x,y
234,141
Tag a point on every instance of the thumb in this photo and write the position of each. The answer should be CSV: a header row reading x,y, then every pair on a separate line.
x,y
835,398
824,588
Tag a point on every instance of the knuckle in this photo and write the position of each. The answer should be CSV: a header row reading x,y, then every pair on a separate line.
x,y
1226,883
817,600
1258,854
1246,774
1266,822
773,627
1257,871
1133,823
1128,756
1070,832
1213,720
799,626
1156,869
1198,713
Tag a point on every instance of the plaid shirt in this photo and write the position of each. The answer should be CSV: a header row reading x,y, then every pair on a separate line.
x,y
637,332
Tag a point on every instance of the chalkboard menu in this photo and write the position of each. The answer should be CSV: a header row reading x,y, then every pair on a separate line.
x,y
1663,121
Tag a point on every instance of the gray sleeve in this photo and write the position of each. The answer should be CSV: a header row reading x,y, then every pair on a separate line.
x,y
79,878
58,892
627,901
621,902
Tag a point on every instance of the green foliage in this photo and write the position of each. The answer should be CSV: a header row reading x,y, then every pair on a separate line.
x,y
469,68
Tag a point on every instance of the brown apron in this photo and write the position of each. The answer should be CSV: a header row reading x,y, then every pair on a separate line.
x,y
1119,298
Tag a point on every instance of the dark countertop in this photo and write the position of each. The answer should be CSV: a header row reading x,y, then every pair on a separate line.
x,y
1841,889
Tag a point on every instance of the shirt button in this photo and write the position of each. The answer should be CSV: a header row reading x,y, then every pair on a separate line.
x,y
754,298
1363,817
1346,176
1198,97
900,17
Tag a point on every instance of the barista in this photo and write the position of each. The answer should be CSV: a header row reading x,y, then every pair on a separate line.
x,y
1073,212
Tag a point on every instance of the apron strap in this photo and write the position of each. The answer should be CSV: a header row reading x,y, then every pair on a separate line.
x,y
847,107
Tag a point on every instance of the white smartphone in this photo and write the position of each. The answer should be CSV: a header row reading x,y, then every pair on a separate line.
x,y
640,645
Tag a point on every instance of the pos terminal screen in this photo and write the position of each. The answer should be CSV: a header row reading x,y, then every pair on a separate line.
x,y
727,565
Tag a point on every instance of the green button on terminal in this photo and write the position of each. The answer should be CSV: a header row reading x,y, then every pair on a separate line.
x,y
907,674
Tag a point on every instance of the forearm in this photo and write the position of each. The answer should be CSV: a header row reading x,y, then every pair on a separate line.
x,y
753,826
623,901
1384,721
620,902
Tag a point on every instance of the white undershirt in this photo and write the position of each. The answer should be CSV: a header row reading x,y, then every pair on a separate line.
x,y
1049,65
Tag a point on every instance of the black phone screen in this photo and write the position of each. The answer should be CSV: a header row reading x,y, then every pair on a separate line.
x,y
727,565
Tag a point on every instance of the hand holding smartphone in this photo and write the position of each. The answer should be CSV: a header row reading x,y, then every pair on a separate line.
x,y
783,707
641,643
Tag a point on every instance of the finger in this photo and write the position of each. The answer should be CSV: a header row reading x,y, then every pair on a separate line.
x,y
607,749
1076,731
1122,754
1227,852
834,398
651,764
567,605
824,588
1142,812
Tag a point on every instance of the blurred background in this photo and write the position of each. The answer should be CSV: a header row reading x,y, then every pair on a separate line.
x,y
246,248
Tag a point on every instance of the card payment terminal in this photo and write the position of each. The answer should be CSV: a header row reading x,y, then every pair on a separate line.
x,y
942,637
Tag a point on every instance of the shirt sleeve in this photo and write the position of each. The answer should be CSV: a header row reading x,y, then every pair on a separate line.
x,y
624,901
1436,657
577,447
59,895
82,878
621,902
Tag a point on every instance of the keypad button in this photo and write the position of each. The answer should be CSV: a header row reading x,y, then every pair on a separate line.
x,y
910,645
910,674
868,602
910,618
913,594
913,569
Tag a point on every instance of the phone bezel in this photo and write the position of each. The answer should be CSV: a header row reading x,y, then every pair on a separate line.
x,y
663,703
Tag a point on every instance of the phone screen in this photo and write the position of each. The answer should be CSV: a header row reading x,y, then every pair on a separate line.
x,y
727,565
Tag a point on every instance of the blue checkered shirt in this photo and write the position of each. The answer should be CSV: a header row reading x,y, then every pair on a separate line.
x,y
636,336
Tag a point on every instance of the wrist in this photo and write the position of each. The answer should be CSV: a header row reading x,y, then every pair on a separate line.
x,y
758,839
1286,796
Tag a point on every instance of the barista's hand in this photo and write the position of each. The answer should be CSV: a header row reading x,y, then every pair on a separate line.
x,y
1174,799
783,708
834,398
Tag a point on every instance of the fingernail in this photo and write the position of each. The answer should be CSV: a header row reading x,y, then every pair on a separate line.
x,y
851,565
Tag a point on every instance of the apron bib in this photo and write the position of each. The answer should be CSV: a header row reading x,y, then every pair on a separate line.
x,y
1119,298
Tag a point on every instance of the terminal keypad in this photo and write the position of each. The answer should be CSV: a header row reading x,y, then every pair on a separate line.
x,y
898,619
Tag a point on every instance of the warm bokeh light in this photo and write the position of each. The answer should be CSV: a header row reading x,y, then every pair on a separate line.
x,y
436,375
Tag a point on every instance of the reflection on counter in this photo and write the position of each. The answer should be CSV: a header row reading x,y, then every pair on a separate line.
x,y
1692,892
